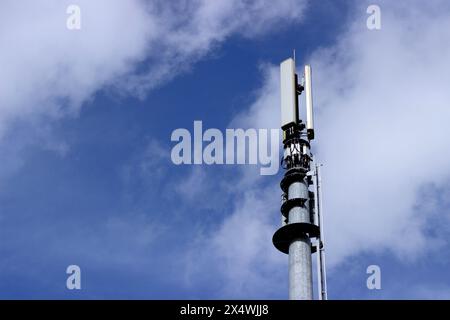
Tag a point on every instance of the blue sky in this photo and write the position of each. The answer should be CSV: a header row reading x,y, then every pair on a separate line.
x,y
85,123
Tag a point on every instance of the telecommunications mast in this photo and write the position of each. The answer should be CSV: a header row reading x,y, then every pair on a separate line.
x,y
301,233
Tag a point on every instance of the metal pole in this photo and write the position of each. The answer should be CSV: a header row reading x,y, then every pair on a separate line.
x,y
318,242
321,252
300,266
318,269
300,270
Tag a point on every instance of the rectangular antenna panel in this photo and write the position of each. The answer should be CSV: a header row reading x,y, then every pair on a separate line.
x,y
289,109
309,103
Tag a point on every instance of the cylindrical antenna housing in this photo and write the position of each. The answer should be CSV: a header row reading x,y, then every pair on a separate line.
x,y
309,103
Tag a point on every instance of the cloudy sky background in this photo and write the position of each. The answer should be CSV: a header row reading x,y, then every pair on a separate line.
x,y
85,124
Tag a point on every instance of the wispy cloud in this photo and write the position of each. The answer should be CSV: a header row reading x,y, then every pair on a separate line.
x,y
125,47
382,102
49,71
382,105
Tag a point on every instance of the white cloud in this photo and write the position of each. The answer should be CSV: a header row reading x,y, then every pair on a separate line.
x,y
236,252
382,104
191,29
132,46
383,100
241,244
48,71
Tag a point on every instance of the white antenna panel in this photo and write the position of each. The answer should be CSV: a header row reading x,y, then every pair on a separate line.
x,y
289,109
